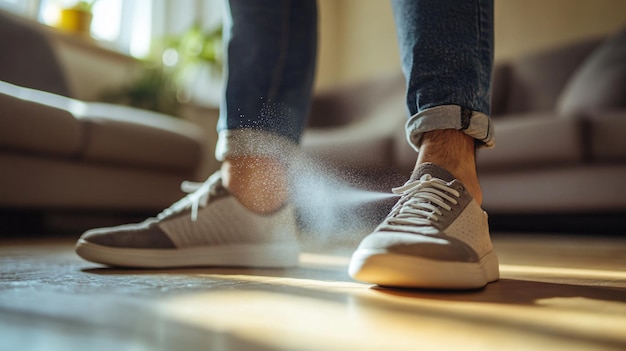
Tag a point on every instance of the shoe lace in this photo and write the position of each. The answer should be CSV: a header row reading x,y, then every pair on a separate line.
x,y
198,196
421,204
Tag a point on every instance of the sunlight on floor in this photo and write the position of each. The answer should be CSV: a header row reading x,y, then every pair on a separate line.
x,y
289,312
562,272
551,296
370,321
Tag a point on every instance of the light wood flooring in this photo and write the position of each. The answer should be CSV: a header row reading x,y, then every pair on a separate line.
x,y
556,293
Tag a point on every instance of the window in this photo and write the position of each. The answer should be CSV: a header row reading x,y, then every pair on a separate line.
x,y
27,8
125,26
128,26
132,26
122,25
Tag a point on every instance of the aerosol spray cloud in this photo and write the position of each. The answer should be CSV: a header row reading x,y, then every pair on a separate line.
x,y
332,207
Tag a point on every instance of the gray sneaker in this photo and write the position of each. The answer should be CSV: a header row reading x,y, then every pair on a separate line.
x,y
436,237
208,227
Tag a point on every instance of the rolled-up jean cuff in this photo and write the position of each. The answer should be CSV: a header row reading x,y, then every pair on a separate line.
x,y
250,142
475,124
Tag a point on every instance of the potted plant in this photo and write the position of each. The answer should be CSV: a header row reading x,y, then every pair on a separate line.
x,y
77,19
170,73
197,67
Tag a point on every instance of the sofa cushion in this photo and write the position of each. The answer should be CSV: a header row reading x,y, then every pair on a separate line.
x,y
355,126
584,188
536,80
46,182
500,86
36,127
533,140
367,143
104,133
607,135
125,135
600,83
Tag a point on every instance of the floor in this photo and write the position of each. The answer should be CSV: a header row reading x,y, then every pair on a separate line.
x,y
556,293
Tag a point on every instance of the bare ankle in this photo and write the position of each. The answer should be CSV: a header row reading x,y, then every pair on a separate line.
x,y
259,183
456,152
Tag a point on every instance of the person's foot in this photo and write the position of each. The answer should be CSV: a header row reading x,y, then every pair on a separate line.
x,y
436,237
208,227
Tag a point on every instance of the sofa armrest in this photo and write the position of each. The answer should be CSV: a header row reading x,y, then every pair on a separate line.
x,y
28,58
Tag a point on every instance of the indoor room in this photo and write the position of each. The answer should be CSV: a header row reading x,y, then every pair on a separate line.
x,y
312,175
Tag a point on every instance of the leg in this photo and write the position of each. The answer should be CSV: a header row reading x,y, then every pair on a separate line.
x,y
437,235
271,56
455,151
238,217
447,50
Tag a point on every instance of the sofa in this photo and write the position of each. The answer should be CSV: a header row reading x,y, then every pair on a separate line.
x,y
560,122
59,153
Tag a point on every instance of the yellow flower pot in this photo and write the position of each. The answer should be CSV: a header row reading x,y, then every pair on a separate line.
x,y
75,21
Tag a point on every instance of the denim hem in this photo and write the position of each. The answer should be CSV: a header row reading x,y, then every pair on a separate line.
x,y
475,124
250,142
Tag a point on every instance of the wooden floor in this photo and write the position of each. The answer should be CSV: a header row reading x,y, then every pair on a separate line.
x,y
556,293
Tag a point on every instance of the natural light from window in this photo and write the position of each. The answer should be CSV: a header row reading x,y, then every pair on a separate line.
x,y
106,19
127,26
124,24
141,37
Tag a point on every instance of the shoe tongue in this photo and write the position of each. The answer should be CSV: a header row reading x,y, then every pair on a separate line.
x,y
434,171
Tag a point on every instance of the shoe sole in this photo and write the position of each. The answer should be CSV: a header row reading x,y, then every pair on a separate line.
x,y
281,255
402,271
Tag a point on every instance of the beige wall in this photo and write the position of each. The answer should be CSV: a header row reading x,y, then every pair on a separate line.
x,y
527,25
358,40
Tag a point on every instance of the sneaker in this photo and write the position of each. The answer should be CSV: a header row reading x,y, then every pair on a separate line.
x,y
208,227
435,237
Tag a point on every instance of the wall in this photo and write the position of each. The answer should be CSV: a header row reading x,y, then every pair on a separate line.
x,y
527,25
358,39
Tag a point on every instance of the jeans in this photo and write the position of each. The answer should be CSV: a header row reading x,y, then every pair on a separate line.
x,y
446,48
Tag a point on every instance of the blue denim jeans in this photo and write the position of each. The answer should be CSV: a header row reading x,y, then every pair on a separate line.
x,y
446,48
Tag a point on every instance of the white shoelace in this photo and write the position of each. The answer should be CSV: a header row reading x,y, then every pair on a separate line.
x,y
199,195
421,204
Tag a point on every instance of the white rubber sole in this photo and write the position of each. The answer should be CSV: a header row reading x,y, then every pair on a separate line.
x,y
402,271
279,255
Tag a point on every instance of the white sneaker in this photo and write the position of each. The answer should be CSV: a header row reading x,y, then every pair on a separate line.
x,y
436,237
208,227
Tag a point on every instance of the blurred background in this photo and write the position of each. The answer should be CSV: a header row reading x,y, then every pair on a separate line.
x,y
357,37
166,56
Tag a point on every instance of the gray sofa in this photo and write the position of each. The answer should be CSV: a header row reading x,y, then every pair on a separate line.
x,y
58,153
560,119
